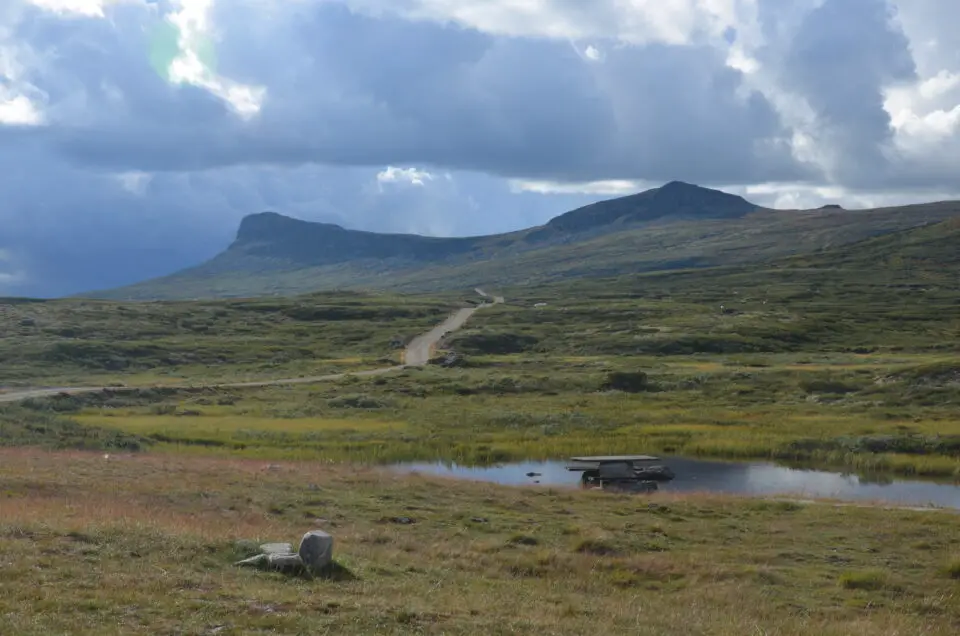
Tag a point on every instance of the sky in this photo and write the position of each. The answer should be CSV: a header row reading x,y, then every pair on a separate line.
x,y
135,134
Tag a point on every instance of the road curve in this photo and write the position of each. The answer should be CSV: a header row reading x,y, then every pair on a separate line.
x,y
417,354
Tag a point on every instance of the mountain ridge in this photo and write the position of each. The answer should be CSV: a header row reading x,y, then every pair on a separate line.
x,y
677,225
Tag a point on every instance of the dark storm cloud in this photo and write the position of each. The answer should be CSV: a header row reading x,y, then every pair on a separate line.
x,y
843,56
349,89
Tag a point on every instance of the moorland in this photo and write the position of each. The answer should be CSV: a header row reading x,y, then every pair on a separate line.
x,y
122,509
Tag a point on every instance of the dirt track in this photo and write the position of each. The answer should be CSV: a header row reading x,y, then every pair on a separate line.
x,y
417,354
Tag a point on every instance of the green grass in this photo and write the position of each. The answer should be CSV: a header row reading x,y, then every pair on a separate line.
x,y
141,544
68,342
870,580
25,427
844,358
836,359
952,569
511,412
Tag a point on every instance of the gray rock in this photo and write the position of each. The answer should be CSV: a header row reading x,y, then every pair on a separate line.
x,y
273,561
316,550
276,548
284,562
253,562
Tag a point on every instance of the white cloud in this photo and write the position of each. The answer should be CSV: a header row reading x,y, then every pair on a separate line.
x,y
134,182
792,196
18,110
87,8
633,21
612,187
412,176
593,53
194,64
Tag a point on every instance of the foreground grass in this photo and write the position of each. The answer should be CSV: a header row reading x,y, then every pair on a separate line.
x,y
144,544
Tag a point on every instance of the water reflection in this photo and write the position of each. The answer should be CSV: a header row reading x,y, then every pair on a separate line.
x,y
744,478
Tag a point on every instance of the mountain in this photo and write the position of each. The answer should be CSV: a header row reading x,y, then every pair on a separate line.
x,y
675,226
676,201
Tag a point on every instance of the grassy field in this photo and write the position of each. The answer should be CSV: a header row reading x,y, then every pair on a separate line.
x,y
132,544
519,410
844,358
839,358
76,342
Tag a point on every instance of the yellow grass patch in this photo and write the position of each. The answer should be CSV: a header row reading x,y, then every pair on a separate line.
x,y
224,423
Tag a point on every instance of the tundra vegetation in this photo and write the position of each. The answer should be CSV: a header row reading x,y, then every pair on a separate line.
x,y
845,358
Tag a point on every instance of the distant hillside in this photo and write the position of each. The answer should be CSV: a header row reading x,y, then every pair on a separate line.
x,y
922,259
675,226
893,293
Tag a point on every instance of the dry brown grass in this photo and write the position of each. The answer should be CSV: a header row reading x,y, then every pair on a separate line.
x,y
144,544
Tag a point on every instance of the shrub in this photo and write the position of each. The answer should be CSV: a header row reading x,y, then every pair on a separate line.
x,y
627,381
495,343
356,402
952,569
827,386
597,547
864,580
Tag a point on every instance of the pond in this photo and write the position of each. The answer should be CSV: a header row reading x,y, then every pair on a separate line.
x,y
738,478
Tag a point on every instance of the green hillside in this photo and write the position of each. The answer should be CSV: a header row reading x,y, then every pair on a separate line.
x,y
897,292
675,226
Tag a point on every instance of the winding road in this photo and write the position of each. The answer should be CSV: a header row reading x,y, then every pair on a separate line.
x,y
417,354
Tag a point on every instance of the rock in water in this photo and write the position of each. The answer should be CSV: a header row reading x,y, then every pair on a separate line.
x,y
316,550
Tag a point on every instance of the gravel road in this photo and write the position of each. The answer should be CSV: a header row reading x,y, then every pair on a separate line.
x,y
417,354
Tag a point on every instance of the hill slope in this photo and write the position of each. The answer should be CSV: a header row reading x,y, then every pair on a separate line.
x,y
674,226
894,293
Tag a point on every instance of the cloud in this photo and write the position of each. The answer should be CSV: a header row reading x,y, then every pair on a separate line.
x,y
139,132
839,61
412,176
592,53
10,274
609,187
18,110
134,182
360,90
635,21
88,8
193,62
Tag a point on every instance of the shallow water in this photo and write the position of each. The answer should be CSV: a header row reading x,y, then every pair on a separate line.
x,y
739,478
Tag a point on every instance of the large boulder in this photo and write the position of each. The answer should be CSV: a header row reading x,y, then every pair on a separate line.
x,y
316,550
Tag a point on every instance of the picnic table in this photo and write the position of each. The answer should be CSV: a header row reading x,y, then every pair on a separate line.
x,y
635,472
